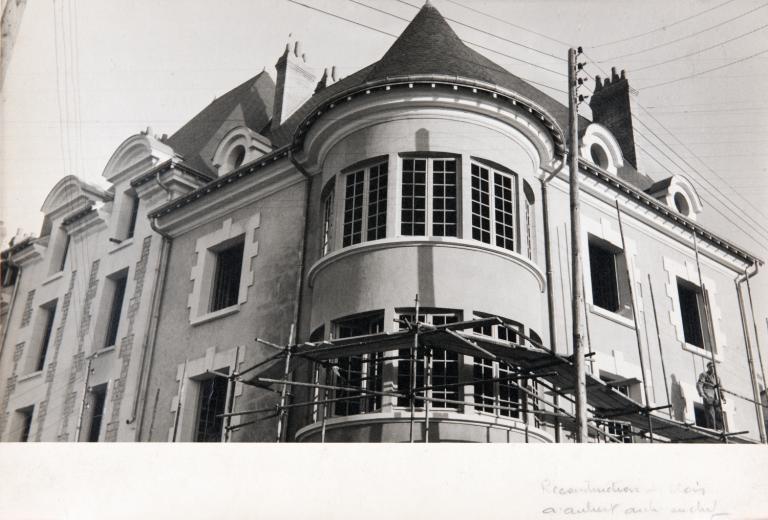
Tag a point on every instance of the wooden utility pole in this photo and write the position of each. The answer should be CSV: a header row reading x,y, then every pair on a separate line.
x,y
577,302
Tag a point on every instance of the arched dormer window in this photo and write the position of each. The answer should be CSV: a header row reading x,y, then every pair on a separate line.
x,y
678,193
239,146
600,147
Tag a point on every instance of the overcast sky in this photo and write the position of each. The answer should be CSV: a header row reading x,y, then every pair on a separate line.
x,y
121,66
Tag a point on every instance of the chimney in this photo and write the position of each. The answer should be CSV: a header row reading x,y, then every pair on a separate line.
x,y
295,83
611,107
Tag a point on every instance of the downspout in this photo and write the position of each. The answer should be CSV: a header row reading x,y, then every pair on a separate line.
x,y
553,172
7,324
302,253
150,337
750,359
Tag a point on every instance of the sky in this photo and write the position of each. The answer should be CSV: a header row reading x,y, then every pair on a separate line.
x,y
85,75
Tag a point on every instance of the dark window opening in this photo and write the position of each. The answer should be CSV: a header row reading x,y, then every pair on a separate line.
x,y
116,309
26,424
691,311
134,201
226,280
602,266
235,158
363,371
64,253
98,400
49,311
699,415
599,157
211,404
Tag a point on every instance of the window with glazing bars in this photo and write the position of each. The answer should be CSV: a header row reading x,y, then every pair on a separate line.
x,y
500,397
444,373
530,221
116,309
98,400
377,202
211,404
436,212
353,208
363,371
49,314
493,217
226,279
327,203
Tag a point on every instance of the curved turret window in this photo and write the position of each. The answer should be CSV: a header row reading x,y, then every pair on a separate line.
x,y
365,204
493,206
428,200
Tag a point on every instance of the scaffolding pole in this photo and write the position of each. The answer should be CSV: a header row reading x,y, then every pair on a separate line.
x,y
640,353
750,362
658,340
414,350
284,392
757,337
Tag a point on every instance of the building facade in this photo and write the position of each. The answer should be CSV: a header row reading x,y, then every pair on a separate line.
x,y
424,194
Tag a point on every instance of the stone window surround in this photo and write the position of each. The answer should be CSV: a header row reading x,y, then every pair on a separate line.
x,y
193,371
202,271
689,272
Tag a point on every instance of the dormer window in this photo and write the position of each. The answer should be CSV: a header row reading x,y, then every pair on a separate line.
x,y
236,157
241,145
681,204
598,155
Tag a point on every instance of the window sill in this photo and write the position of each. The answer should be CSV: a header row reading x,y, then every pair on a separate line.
x,y
693,349
103,351
614,317
55,276
27,377
122,245
198,320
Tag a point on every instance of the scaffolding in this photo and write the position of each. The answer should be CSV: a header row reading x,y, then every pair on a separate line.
x,y
552,374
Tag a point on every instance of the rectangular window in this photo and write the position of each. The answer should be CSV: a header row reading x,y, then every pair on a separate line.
x,y
602,267
692,314
377,202
327,203
413,216
118,295
353,208
363,371
133,215
226,279
49,314
493,217
64,253
25,423
429,198
211,404
98,399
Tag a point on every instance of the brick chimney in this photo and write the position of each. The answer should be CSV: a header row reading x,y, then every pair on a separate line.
x,y
295,83
611,107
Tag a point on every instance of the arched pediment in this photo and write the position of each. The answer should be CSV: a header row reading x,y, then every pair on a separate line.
x,y
136,154
598,145
71,195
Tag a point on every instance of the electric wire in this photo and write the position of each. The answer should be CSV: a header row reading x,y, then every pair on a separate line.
x,y
694,75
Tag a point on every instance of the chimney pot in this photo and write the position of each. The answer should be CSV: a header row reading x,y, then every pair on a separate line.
x,y
623,74
297,49
598,83
333,73
614,76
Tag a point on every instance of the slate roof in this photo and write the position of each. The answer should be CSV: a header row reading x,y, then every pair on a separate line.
x,y
249,104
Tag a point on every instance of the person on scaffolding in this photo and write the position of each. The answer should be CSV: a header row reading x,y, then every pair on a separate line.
x,y
709,390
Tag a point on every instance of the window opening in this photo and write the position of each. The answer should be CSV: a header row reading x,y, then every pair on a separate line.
x,y
226,280
327,204
26,424
530,221
211,403
692,314
116,309
444,198
98,400
65,252
493,217
602,266
414,199
353,208
132,217
377,202
49,312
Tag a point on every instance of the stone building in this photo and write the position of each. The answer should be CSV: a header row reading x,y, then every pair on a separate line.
x,y
423,195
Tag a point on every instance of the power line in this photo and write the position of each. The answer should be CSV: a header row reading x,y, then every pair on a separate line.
x,y
663,27
342,18
642,51
702,50
740,60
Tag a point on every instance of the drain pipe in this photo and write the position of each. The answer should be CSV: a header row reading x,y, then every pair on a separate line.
x,y
150,337
750,359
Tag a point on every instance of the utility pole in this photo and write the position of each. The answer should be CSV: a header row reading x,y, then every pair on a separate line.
x,y
577,293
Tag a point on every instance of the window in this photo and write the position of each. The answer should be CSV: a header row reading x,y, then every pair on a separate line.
x,y
607,268
493,213
445,367
436,212
211,404
25,423
118,283
618,429
48,312
327,207
681,204
59,251
98,399
692,314
64,253
365,210
226,279
133,215
530,221
699,415
363,371
598,155
235,158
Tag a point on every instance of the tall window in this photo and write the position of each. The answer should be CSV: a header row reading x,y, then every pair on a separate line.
x,y
133,215
64,253
226,279
493,211
530,221
692,314
25,423
327,207
429,197
118,284
444,372
363,371
98,399
607,267
48,315
211,403
365,204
